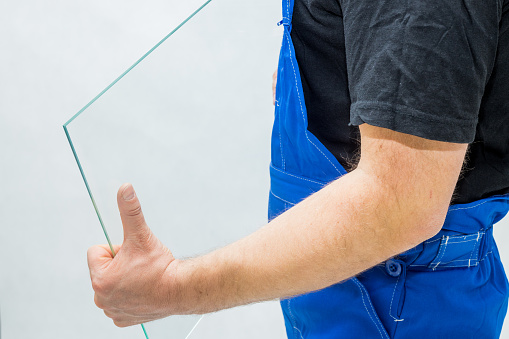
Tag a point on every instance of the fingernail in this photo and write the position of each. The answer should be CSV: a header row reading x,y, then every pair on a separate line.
x,y
128,193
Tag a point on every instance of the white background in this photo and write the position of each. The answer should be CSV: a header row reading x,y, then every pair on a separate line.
x,y
55,56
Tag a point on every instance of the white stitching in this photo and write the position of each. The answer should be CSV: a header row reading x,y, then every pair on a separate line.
x,y
478,204
362,289
443,252
392,299
445,264
460,242
458,265
301,178
283,163
294,323
369,314
283,200
473,249
474,265
486,255
466,208
430,241
439,255
479,237
465,237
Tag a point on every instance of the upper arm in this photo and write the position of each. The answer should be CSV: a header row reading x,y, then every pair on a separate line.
x,y
416,76
415,177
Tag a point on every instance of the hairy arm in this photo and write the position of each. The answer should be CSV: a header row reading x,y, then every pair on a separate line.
x,y
397,197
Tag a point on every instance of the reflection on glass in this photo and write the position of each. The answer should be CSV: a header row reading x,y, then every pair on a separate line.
x,y
175,125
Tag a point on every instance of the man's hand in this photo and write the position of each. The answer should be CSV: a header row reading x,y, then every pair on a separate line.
x,y
135,286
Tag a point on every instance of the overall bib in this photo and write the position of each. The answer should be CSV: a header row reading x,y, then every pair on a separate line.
x,y
450,286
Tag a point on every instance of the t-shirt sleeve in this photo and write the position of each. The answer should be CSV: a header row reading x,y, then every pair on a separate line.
x,y
420,67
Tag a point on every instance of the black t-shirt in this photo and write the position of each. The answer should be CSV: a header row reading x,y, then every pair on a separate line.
x,y
434,69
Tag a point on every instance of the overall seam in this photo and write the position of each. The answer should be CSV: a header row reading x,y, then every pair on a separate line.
x,y
283,164
468,238
476,246
392,299
363,290
294,323
447,265
430,241
451,240
442,249
283,200
485,256
299,177
478,204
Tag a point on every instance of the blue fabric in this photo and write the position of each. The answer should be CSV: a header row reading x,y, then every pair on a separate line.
x,y
450,286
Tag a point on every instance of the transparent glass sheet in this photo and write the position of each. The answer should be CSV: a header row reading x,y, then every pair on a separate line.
x,y
188,126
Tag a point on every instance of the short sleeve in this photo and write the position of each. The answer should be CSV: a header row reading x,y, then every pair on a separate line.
x,y
420,67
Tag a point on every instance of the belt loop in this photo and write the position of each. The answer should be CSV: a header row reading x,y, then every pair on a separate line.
x,y
453,250
441,252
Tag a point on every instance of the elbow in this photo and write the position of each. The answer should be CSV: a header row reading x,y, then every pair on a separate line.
x,y
433,223
423,222
411,214
407,209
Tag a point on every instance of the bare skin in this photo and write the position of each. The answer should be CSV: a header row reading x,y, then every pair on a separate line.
x,y
396,198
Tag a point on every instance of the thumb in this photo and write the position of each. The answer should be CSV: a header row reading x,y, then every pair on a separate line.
x,y
135,227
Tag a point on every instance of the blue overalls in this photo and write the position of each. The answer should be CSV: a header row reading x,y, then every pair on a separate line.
x,y
450,286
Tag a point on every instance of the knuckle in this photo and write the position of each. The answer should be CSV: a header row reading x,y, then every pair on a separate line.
x,y
100,285
145,237
97,287
98,302
134,211
91,255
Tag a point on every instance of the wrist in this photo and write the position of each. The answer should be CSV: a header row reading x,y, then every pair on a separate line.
x,y
174,289
185,292
203,285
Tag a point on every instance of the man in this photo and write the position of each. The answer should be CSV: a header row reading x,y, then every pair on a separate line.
x,y
378,239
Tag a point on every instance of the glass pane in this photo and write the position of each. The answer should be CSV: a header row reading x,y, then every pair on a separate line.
x,y
189,126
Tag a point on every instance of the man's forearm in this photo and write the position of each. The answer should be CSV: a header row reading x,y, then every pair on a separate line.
x,y
397,197
342,230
